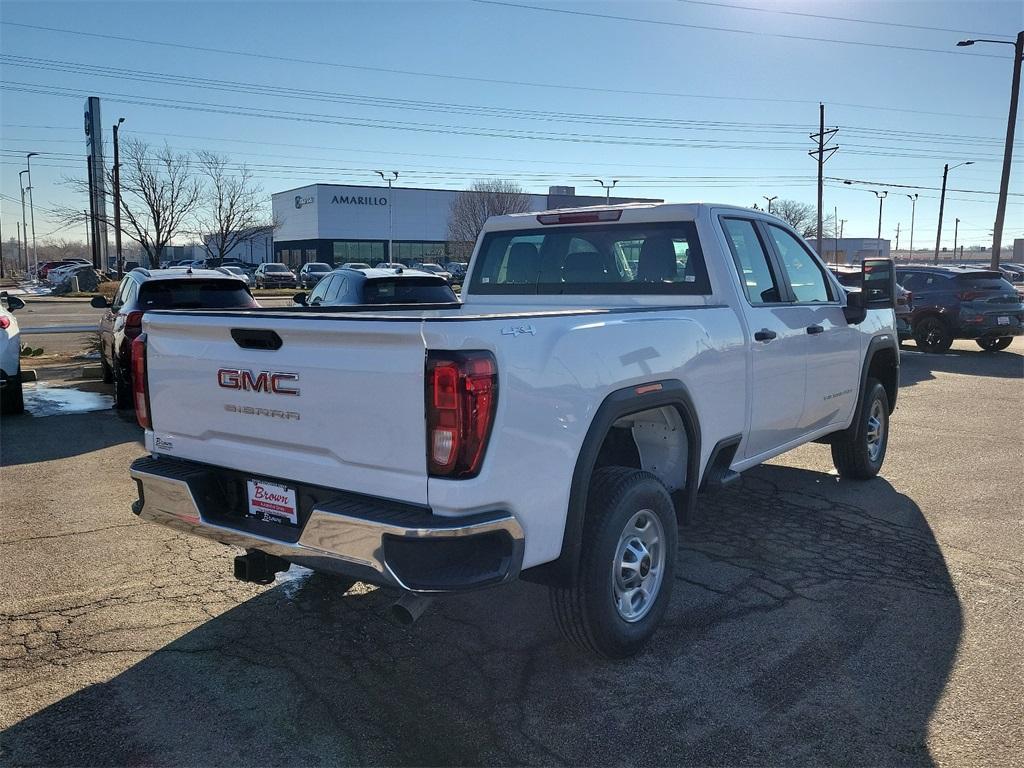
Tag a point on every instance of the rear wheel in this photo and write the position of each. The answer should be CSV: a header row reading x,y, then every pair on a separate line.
x,y
627,564
990,344
859,451
932,335
122,389
12,398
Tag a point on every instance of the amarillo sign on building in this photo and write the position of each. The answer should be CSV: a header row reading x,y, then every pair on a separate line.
x,y
338,223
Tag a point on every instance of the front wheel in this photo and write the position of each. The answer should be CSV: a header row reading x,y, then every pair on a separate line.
x,y
932,335
858,452
995,344
627,565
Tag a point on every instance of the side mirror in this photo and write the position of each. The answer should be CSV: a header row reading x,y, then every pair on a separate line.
x,y
855,311
99,302
878,276
14,303
300,298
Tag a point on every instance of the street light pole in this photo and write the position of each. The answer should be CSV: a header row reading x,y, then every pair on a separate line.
x,y
1004,182
32,213
392,176
956,231
117,202
769,199
942,204
913,210
607,189
24,226
881,197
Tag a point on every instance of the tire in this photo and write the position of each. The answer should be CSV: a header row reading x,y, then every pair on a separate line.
x,y
108,373
990,344
12,397
932,335
123,398
859,451
629,539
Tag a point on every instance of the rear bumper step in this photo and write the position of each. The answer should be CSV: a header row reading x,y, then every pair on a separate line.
x,y
412,550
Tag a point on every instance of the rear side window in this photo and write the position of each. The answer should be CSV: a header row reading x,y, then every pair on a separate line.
x,y
193,294
755,270
606,259
407,290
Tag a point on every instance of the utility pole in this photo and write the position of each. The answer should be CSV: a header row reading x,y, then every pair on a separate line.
x,y
835,232
822,136
1004,182
392,176
898,235
956,230
32,213
881,197
19,243
607,189
942,205
117,202
913,210
841,223
769,199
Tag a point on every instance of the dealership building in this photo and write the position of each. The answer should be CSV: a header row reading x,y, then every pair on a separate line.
x,y
336,223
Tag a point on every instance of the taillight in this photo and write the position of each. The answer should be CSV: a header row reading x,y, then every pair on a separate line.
x,y
133,324
140,388
581,217
461,396
5,322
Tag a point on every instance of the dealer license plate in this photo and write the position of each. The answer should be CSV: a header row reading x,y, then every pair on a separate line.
x,y
272,503
1002,320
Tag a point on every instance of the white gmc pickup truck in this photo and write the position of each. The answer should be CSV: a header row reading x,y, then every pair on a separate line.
x,y
604,367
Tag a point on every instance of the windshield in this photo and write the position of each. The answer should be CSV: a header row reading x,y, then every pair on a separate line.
x,y
192,294
430,268
605,259
407,290
275,268
318,266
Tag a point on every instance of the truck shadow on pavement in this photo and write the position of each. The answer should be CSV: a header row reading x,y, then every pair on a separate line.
x,y
813,621
27,440
916,367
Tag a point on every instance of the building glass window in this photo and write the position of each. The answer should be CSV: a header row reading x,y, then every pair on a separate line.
x,y
366,251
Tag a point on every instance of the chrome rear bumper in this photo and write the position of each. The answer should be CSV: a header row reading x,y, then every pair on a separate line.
x,y
417,552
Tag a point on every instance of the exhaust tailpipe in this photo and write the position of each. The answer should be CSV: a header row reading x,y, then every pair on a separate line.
x,y
410,607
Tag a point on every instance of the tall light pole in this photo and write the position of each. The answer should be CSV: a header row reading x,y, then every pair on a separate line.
x,y
24,226
942,203
881,197
607,189
32,213
841,223
392,176
117,202
769,199
956,231
913,210
1004,182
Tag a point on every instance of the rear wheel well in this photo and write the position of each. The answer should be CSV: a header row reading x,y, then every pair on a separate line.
x,y
885,366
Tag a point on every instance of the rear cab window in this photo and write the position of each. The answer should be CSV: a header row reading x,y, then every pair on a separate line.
x,y
195,293
407,290
622,259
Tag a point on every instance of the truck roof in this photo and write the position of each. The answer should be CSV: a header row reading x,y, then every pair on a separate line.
x,y
635,212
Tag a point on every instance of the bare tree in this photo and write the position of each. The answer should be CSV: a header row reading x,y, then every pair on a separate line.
x,y
232,211
159,194
803,217
484,198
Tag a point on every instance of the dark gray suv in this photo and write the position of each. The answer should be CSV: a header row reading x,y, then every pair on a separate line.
x,y
961,303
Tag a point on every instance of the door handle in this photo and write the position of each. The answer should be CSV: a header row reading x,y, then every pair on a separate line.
x,y
765,335
813,329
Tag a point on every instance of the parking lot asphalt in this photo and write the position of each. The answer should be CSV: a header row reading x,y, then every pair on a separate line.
x,y
814,621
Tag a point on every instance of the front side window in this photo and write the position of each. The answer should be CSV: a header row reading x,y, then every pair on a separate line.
x,y
752,264
663,258
806,277
320,291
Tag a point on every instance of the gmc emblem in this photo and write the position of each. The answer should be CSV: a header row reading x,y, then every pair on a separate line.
x,y
274,382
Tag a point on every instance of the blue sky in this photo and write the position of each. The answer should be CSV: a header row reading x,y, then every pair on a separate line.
x,y
729,122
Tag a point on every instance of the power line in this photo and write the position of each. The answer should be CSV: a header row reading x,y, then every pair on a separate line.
x,y
709,28
842,18
918,186
484,80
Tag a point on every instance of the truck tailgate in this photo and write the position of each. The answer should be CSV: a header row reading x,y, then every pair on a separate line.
x,y
356,422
